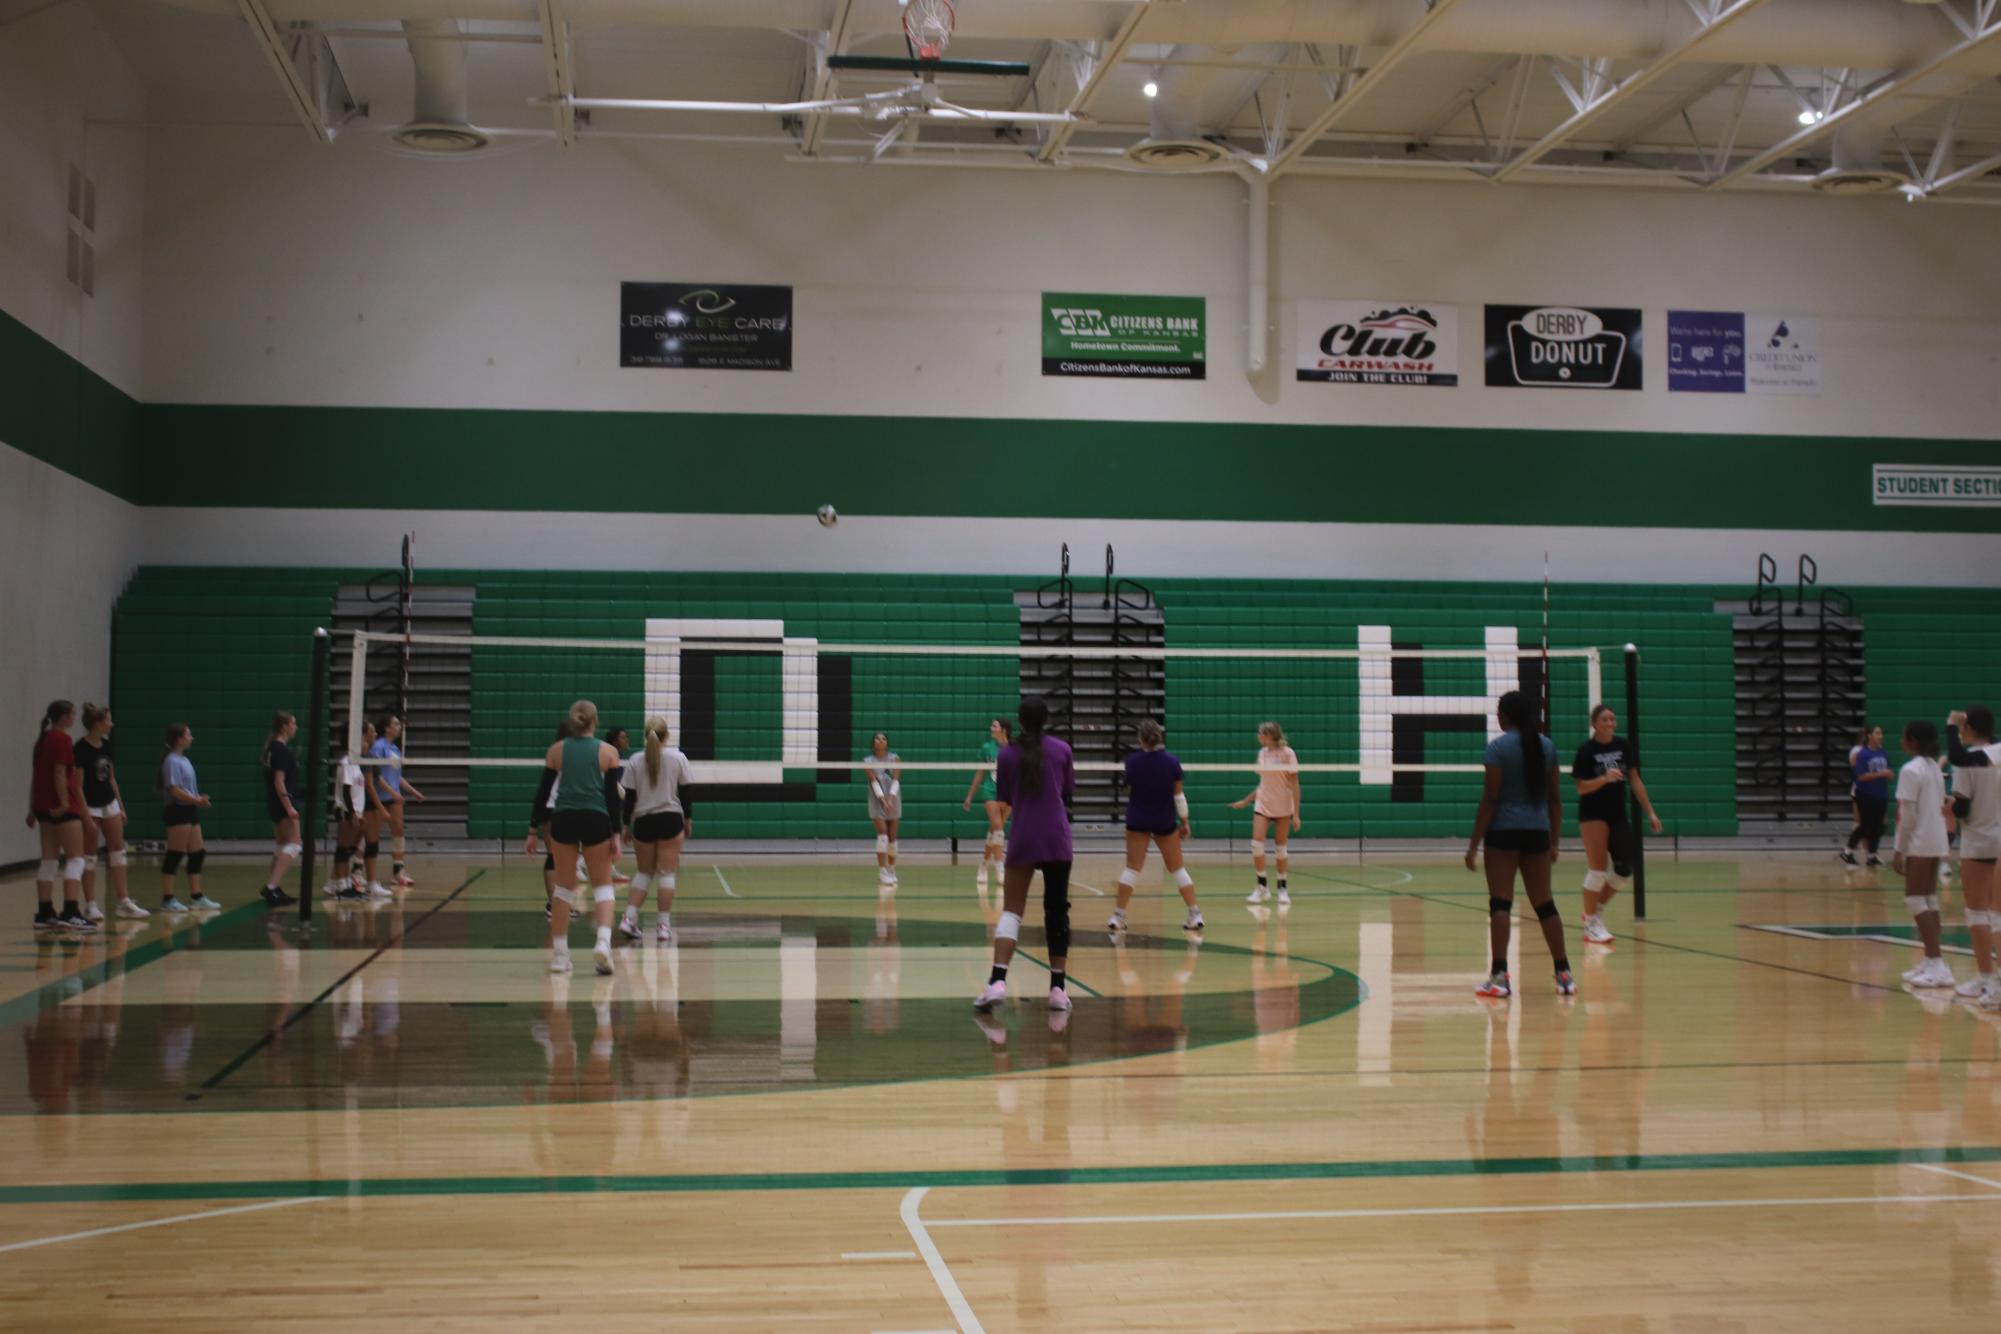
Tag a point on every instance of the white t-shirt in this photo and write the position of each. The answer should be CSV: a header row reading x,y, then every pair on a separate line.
x,y
352,779
649,797
1921,809
1983,786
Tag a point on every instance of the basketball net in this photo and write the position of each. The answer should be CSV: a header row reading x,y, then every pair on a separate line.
x,y
927,27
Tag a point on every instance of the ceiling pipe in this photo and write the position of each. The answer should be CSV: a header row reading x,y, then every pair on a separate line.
x,y
1257,334
438,122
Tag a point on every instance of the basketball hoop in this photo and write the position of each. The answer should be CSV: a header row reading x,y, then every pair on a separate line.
x,y
927,27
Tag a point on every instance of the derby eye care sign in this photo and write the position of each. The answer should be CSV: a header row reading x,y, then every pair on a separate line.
x,y
1562,347
1125,337
705,326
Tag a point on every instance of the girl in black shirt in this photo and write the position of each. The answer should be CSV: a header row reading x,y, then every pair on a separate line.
x,y
281,801
1606,765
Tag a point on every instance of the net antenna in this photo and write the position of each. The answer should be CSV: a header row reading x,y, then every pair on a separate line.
x,y
927,28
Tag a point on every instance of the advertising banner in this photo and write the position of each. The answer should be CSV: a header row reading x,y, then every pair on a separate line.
x,y
1377,342
1705,352
1126,337
1782,354
1563,347
696,326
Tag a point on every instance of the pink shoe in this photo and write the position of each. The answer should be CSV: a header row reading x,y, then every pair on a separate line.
x,y
994,995
1059,999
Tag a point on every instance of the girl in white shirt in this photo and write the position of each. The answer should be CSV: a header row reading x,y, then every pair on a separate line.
x,y
656,782
1921,846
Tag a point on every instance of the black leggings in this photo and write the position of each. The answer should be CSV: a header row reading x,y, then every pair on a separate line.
x,y
1869,824
1055,904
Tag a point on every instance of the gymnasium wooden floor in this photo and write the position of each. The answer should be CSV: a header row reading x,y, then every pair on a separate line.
x,y
790,1119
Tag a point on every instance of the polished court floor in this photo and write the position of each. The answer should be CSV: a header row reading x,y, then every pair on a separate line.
x,y
789,1118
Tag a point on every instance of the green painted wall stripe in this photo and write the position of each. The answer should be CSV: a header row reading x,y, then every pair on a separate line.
x,y
739,463
1181,1173
56,409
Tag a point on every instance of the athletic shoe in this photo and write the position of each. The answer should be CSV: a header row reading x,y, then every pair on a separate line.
x,y
1059,999
601,956
620,878
1258,895
404,880
1875,862
882,875
995,993
172,905
1934,973
48,923
74,920
349,894
378,890
1284,899
1973,987
93,912
1847,857
1496,987
275,896
1193,922
1566,985
203,903
1118,922
559,961
127,908
331,889
1914,973
664,932
1595,931
628,926
1990,999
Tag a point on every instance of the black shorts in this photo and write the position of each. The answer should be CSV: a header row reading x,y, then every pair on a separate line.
x,y
1518,840
1153,833
580,829
174,817
658,827
51,819
276,811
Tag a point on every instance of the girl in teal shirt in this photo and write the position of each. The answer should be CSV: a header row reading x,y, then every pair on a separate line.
x,y
999,733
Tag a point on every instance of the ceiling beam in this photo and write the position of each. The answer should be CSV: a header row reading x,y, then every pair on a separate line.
x,y
1964,176
1087,91
1611,98
1985,29
1338,110
833,43
271,39
562,72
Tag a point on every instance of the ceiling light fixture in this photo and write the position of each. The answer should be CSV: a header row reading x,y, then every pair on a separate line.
x,y
1151,88
1811,117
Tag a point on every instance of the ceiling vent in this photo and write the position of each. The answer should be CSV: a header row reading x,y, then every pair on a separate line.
x,y
1858,164
439,126
439,138
1175,154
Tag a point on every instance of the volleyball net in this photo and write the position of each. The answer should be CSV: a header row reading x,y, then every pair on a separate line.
x,y
777,725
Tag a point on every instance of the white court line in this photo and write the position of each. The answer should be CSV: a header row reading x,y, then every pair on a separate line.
x,y
878,1255
1462,1211
726,882
160,1222
1963,1176
941,1274
1092,888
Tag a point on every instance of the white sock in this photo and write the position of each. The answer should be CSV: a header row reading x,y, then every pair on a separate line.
x,y
604,937
561,946
664,917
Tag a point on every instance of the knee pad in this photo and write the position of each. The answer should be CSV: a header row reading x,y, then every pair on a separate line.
x,y
1282,854
604,894
1978,917
1546,910
1184,880
117,857
74,868
1129,876
881,844
343,853
996,840
892,849
195,860
1921,903
373,849
48,871
1009,927
168,864
293,849
1500,905
564,895
665,880
640,883
1594,881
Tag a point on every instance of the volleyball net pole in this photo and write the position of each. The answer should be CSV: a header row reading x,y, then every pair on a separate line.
x,y
1637,817
312,816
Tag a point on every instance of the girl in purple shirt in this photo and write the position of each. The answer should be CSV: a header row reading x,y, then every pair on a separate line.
x,y
1156,809
1034,780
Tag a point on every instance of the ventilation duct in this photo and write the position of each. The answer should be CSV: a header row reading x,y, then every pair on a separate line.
x,y
438,125
1858,164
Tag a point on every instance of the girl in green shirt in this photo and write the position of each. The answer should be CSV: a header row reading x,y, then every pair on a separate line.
x,y
999,733
581,821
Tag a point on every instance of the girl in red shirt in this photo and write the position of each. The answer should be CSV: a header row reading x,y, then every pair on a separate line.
x,y
56,806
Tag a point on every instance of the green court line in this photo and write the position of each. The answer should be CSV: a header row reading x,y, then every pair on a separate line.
x,y
54,992
1071,978
1169,1174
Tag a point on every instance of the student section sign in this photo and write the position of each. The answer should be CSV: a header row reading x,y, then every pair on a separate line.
x,y
1125,337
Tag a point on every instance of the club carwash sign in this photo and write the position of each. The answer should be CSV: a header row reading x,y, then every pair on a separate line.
x,y
1936,486
1377,342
